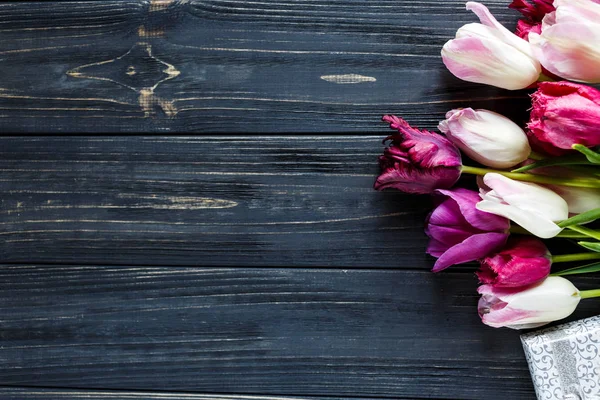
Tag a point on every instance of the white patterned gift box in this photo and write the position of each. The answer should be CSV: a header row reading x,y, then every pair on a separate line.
x,y
564,360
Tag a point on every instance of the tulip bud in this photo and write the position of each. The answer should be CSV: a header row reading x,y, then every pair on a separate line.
x,y
569,43
459,232
486,137
564,114
417,161
529,307
489,53
534,207
524,261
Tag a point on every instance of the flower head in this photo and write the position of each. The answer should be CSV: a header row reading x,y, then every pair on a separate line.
x,y
533,10
534,207
486,137
569,42
524,261
417,161
489,53
459,232
564,114
528,307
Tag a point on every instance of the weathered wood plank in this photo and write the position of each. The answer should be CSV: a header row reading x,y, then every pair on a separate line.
x,y
14,393
379,333
266,201
227,65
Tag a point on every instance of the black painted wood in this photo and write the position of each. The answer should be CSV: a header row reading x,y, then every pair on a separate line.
x,y
16,393
278,201
373,333
226,65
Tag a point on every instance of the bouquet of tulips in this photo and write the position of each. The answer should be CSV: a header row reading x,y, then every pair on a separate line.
x,y
535,183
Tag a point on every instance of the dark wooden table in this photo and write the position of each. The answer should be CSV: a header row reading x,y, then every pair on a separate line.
x,y
143,258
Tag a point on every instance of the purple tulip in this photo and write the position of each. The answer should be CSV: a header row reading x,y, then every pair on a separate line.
x,y
461,233
417,161
524,261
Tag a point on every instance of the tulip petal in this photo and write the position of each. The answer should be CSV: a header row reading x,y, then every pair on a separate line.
x,y
436,248
465,199
490,61
579,200
569,50
486,137
525,203
507,36
472,248
536,224
507,317
447,235
447,213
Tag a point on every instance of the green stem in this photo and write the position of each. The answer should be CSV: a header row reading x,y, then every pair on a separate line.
x,y
573,182
535,156
516,229
586,231
575,257
588,294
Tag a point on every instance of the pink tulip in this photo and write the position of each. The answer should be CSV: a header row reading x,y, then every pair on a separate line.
x,y
524,261
417,161
563,114
569,42
460,233
530,306
489,53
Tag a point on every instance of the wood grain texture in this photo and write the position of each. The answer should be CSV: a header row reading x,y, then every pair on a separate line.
x,y
15,393
233,66
266,201
373,333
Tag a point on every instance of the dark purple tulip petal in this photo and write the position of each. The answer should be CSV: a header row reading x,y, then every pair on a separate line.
x,y
417,161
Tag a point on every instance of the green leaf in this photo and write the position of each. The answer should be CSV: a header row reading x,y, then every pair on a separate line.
x,y
582,218
590,154
593,246
548,162
584,269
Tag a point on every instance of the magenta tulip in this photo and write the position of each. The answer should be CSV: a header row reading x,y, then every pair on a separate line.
x,y
524,261
417,161
461,233
533,12
564,114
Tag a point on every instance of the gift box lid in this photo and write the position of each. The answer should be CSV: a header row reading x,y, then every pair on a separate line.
x,y
564,360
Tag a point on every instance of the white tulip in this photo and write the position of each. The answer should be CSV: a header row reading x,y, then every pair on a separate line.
x,y
579,199
553,299
486,137
532,206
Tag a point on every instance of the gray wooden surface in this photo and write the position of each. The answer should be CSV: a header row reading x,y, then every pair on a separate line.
x,y
232,66
142,258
